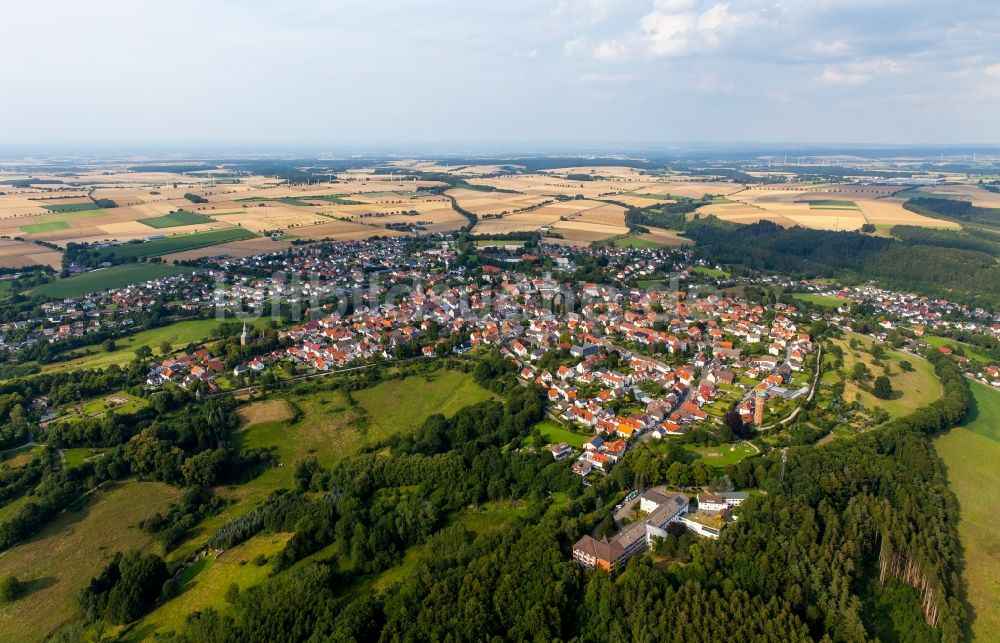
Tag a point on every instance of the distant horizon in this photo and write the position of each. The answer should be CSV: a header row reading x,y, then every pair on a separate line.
x,y
485,150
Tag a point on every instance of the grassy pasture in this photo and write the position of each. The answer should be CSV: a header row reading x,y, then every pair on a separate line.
x,y
966,349
62,558
179,334
816,299
630,241
971,454
204,584
720,457
555,434
709,272
107,278
912,389
398,405
174,219
331,428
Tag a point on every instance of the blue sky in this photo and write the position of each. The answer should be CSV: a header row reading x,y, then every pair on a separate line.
x,y
387,72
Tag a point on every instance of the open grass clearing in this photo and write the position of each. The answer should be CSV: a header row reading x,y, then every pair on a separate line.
x,y
554,434
911,389
403,404
971,455
959,347
705,271
62,558
720,457
178,334
204,586
817,299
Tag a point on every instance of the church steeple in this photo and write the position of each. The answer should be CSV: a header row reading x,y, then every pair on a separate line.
x,y
244,336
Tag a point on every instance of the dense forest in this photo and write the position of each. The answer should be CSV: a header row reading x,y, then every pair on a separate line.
x,y
918,263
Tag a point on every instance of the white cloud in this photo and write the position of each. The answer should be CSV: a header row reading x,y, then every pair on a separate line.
x,y
993,70
858,73
831,48
575,47
677,28
606,78
833,76
611,50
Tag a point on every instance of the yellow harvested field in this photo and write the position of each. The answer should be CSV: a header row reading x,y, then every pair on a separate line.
x,y
495,203
892,212
20,254
234,249
665,238
271,217
974,193
789,205
607,214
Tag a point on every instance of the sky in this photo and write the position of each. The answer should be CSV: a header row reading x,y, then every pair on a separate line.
x,y
344,73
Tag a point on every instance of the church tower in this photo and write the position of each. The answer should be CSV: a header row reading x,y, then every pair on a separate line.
x,y
244,336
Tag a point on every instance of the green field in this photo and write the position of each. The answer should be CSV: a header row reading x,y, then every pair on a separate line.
x,y
204,584
330,428
174,219
722,456
709,272
832,204
912,389
403,404
178,243
631,241
971,454
179,334
62,558
554,434
51,226
62,208
60,219
492,243
966,349
76,457
107,278
816,299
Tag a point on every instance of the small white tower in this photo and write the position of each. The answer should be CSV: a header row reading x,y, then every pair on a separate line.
x,y
244,336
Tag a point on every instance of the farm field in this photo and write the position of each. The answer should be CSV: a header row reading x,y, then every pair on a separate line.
x,y
174,219
178,243
912,389
235,249
821,206
19,254
105,278
62,558
971,455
